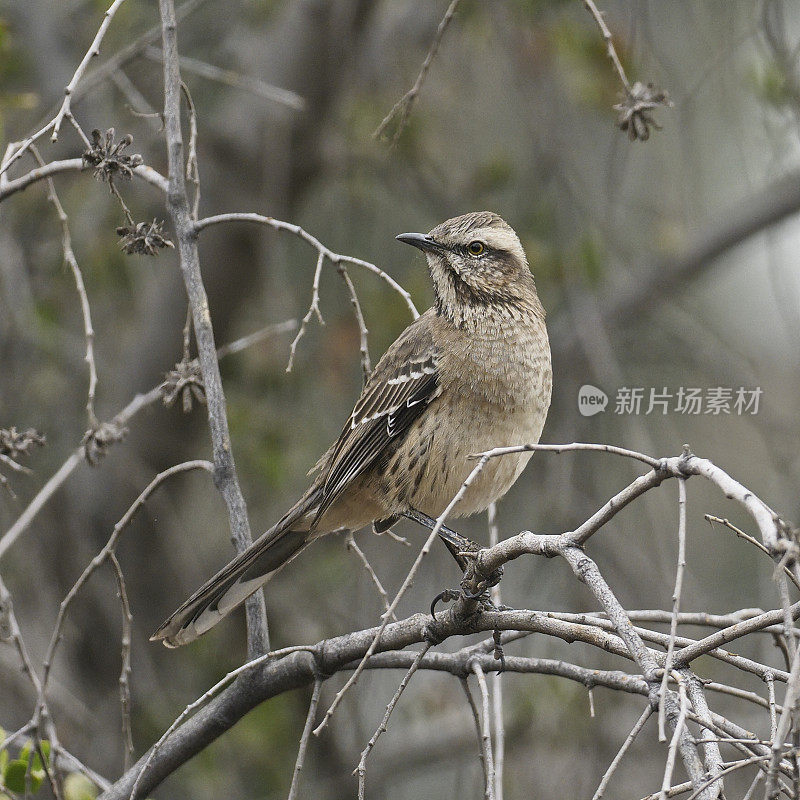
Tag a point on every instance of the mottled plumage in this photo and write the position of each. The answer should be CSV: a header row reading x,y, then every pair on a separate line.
x,y
471,373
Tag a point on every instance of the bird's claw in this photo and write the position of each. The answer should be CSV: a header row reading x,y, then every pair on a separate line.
x,y
447,596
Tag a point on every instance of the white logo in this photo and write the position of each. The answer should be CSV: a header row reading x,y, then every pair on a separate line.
x,y
591,400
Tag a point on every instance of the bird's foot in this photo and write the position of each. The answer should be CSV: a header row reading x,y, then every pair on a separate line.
x,y
447,596
485,603
474,583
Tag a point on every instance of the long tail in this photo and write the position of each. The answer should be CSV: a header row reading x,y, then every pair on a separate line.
x,y
234,583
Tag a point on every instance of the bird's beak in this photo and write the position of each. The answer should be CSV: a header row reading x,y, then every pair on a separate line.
x,y
421,240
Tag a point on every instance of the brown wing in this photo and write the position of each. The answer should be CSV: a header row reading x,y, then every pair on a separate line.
x,y
403,382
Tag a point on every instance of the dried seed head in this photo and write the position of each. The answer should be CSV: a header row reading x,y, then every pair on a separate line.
x,y
107,158
635,107
14,444
186,381
98,439
143,238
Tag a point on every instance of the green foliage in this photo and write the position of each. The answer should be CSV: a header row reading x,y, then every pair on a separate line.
x,y
79,787
591,257
24,774
771,85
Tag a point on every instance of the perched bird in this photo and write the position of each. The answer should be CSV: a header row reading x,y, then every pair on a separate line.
x,y
471,373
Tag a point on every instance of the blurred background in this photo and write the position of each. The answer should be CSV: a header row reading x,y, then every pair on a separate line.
x,y
663,264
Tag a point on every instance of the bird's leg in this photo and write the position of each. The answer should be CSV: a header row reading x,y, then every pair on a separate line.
x,y
464,551
460,547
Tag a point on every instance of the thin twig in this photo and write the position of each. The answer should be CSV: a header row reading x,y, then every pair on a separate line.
x,y
69,257
773,712
304,739
334,258
477,720
676,603
125,210
680,726
612,52
568,448
11,630
125,671
258,87
629,739
361,769
92,52
351,545
784,725
406,103
366,365
486,730
23,148
737,765
498,723
312,309
710,518
403,588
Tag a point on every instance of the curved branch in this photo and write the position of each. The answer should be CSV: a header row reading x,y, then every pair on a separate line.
x,y
7,188
334,258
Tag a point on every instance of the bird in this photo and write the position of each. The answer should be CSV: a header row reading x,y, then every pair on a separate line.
x,y
471,373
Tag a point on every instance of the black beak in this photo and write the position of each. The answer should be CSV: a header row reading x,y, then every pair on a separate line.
x,y
421,240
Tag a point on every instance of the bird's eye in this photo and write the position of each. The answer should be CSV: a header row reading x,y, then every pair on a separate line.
x,y
476,248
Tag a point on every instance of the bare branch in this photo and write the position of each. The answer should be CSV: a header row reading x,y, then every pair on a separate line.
x,y
361,769
178,206
125,671
148,174
138,403
312,309
69,257
334,258
486,730
92,52
304,739
351,545
406,103
676,602
629,739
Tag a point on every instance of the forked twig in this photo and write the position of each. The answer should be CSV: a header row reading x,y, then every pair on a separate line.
x,y
405,104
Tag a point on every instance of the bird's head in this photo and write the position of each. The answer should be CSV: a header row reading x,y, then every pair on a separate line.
x,y
476,261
